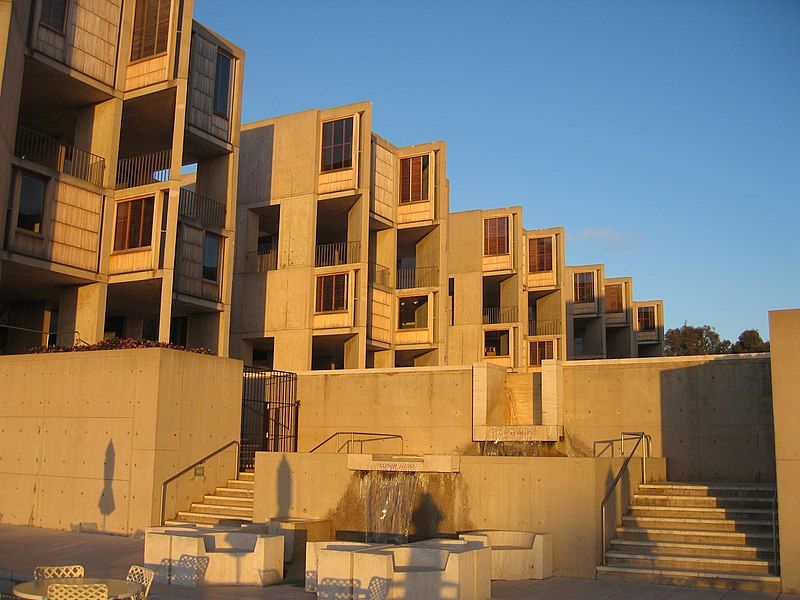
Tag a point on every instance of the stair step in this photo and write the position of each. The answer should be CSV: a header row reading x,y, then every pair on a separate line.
x,y
698,501
242,485
752,514
709,489
689,549
705,525
219,509
764,583
692,563
246,476
228,500
197,517
694,535
234,491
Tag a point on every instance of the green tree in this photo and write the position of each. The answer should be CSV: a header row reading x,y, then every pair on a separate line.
x,y
691,341
750,341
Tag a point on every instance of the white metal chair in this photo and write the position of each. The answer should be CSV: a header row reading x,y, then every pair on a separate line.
x,y
59,572
144,577
89,591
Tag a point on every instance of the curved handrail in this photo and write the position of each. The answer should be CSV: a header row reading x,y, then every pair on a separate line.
x,y
192,466
640,436
377,437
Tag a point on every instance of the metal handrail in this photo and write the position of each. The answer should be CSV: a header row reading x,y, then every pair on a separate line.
x,y
378,274
544,327
75,334
260,262
338,253
417,277
775,531
377,437
192,466
144,169
64,158
639,436
201,208
500,314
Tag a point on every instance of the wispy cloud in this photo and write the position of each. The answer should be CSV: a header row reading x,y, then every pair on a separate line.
x,y
612,239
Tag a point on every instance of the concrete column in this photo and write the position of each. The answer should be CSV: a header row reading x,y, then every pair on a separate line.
x,y
165,307
82,309
384,359
352,354
32,316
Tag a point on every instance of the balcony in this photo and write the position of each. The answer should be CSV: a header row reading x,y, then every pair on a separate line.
x,y
542,327
208,212
419,277
378,275
143,169
52,154
262,261
338,253
500,314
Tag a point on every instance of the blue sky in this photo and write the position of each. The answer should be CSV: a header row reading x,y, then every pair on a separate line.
x,y
665,136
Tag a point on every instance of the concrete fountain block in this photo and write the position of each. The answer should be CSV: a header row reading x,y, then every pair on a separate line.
x,y
329,567
405,463
297,532
516,554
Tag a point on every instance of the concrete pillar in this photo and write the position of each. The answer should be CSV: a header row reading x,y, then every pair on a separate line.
x,y
384,359
351,354
165,306
82,309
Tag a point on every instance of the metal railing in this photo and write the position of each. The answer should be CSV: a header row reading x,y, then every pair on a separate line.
x,y
352,441
52,154
76,336
378,275
143,169
500,314
540,327
205,210
338,253
418,277
641,438
189,468
260,262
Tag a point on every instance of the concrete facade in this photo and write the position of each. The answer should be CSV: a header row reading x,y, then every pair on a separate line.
x,y
102,110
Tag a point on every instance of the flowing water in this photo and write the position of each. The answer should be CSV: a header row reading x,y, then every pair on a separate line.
x,y
388,499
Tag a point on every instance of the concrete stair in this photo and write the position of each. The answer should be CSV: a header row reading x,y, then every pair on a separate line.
x,y
704,534
232,502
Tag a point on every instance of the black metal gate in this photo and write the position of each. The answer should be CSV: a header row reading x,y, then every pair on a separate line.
x,y
269,414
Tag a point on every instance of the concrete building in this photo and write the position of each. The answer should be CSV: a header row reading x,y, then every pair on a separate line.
x,y
649,327
104,105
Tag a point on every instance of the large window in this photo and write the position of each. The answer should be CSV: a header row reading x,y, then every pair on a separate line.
x,y
222,84
495,236
31,203
540,254
212,246
647,318
614,298
331,293
150,28
413,313
134,224
414,179
54,14
584,287
495,343
337,144
540,351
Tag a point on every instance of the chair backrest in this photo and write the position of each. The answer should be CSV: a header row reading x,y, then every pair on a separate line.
x,y
60,572
66,591
144,577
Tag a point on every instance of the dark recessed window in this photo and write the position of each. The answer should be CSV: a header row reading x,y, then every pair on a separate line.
x,y
496,343
614,298
414,179
495,236
413,313
222,84
150,28
134,225
647,318
211,257
54,14
540,254
540,351
337,144
331,293
584,287
31,203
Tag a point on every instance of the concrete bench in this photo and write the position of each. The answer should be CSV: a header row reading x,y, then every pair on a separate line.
x,y
516,554
332,562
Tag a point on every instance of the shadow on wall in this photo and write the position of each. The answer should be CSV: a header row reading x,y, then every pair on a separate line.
x,y
716,421
106,503
284,488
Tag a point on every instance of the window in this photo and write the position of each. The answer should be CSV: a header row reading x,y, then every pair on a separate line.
x,y
413,313
337,144
646,316
496,343
222,84
584,287
540,351
150,28
614,298
134,224
31,203
331,293
495,236
540,254
211,257
414,179
54,15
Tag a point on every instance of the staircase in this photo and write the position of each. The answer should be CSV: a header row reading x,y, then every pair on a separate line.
x,y
712,535
234,502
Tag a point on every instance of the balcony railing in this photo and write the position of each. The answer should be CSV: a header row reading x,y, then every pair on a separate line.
x,y
419,277
378,274
143,169
540,327
339,253
500,314
262,261
52,154
205,210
